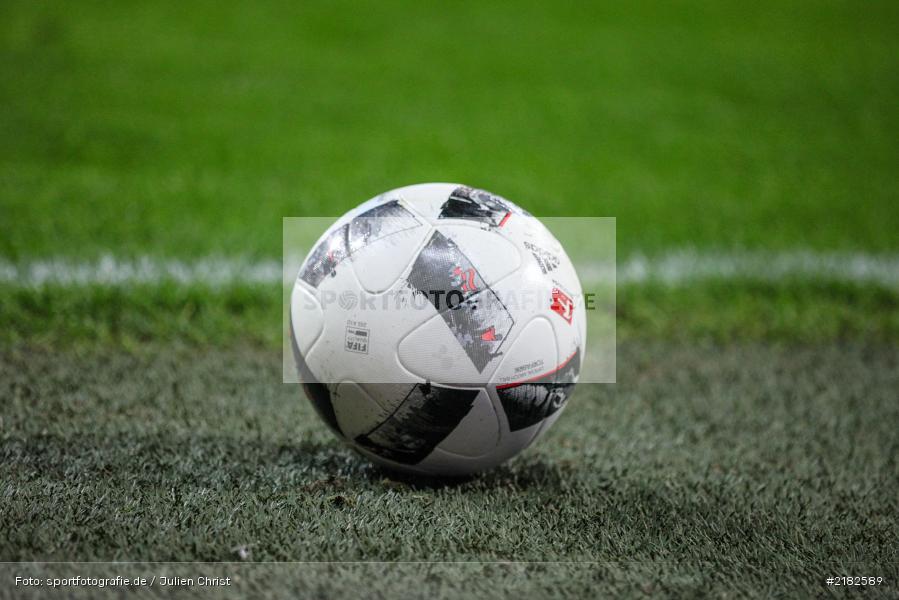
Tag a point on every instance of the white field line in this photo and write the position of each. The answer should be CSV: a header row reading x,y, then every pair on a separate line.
x,y
686,266
673,268
110,271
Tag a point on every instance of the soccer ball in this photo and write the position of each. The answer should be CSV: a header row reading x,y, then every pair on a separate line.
x,y
438,329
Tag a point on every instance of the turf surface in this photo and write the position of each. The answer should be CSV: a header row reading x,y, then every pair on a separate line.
x,y
745,468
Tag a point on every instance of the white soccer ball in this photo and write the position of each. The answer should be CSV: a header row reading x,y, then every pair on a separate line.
x,y
438,329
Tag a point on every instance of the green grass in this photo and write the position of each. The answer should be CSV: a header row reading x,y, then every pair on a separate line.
x,y
191,129
739,468
132,315
202,316
166,129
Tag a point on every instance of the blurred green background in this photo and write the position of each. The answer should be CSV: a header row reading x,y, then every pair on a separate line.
x,y
189,129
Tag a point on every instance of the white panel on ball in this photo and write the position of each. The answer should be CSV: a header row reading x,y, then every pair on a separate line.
x,y
355,410
380,264
432,352
307,316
